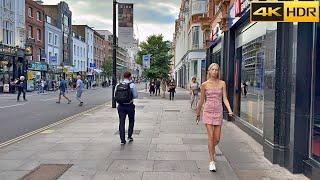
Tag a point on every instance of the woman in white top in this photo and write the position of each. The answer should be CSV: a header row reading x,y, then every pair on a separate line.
x,y
194,91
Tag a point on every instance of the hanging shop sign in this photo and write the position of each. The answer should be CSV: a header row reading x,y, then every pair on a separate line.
x,y
37,66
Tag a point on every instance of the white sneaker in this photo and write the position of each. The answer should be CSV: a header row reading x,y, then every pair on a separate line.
x,y
212,166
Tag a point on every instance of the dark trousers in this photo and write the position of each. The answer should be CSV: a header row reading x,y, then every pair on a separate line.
x,y
123,111
158,90
19,93
171,95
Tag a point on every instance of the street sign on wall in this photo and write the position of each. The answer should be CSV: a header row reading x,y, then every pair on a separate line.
x,y
146,61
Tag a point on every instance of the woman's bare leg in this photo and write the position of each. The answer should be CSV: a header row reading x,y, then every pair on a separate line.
x,y
216,137
210,141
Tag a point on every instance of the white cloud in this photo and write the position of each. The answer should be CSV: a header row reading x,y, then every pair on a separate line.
x,y
91,13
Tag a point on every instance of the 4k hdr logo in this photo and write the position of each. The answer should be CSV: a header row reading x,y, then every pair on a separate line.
x,y
285,11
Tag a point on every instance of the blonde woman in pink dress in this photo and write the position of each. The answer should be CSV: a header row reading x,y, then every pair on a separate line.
x,y
213,93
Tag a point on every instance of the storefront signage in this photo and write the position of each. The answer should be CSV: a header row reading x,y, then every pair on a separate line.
x,y
6,50
6,88
216,33
237,5
37,66
53,60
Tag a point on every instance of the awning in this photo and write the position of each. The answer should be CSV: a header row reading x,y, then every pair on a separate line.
x,y
97,71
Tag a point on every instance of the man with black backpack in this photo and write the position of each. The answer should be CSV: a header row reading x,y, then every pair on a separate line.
x,y
124,94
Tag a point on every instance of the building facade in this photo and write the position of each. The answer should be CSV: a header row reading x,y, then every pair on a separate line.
x,y
271,71
12,40
53,48
63,15
79,55
35,20
87,32
188,41
98,50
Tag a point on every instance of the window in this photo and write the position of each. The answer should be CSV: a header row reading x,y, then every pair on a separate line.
x,y
39,54
65,20
8,33
50,37
30,35
38,34
38,16
74,49
255,62
49,19
30,12
78,50
195,37
55,40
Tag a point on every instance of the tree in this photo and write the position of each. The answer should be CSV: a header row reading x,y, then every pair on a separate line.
x,y
107,68
160,56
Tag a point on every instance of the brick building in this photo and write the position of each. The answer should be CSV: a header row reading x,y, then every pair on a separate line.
x,y
35,29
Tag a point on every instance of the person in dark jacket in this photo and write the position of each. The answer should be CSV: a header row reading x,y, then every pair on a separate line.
x,y
172,89
20,84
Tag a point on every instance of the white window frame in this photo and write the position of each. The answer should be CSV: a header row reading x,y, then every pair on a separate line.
x,y
38,16
55,41
30,12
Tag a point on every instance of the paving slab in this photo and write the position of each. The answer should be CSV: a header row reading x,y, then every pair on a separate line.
x,y
169,146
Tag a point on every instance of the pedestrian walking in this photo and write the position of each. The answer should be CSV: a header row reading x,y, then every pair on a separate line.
x,y
213,93
42,86
172,89
20,84
244,88
124,94
194,90
63,87
152,87
163,88
158,83
79,88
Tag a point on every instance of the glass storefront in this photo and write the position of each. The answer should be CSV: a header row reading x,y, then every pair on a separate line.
x,y
315,125
255,62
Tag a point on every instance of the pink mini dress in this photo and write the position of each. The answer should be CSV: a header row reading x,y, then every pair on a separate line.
x,y
213,111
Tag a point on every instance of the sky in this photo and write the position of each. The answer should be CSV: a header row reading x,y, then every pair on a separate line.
x,y
150,16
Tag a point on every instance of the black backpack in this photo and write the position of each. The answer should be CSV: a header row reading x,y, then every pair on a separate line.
x,y
123,93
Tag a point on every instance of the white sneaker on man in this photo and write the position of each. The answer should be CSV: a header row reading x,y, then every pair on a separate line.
x,y
212,166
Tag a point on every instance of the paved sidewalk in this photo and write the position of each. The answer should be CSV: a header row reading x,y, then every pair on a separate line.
x,y
167,145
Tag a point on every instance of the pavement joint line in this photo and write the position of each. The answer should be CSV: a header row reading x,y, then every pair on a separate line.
x,y
22,137
2,107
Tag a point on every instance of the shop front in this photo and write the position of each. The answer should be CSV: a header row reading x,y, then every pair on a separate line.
x,y
12,66
272,74
35,73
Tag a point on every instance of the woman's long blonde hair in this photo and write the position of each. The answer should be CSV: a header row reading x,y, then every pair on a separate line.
x,y
209,68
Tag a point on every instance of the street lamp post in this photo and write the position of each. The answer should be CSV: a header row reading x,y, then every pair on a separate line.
x,y
114,57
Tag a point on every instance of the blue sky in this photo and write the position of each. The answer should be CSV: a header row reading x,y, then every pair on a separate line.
x,y
150,16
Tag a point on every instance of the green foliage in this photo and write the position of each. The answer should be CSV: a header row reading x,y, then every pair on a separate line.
x,y
107,68
160,56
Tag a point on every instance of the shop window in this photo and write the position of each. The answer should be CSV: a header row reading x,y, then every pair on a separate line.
x,y
255,72
315,126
